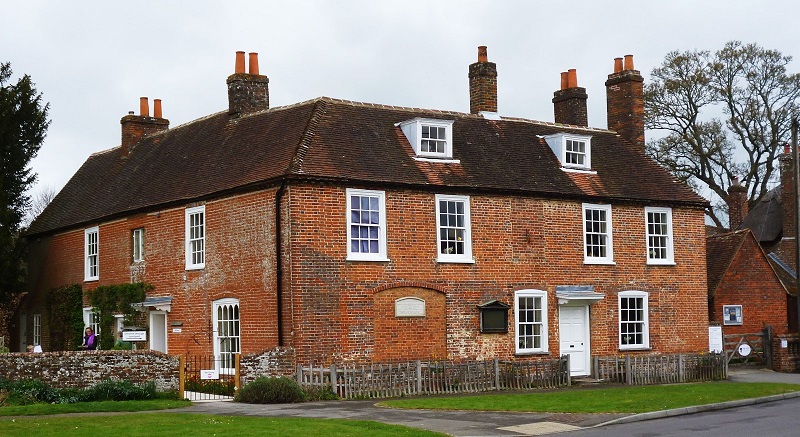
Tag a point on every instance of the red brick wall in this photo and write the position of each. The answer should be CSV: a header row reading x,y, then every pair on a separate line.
x,y
240,260
408,338
751,283
518,243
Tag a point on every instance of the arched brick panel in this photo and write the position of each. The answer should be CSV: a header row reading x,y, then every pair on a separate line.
x,y
409,338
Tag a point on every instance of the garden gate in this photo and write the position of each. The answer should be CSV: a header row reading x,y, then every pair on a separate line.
x,y
749,348
208,378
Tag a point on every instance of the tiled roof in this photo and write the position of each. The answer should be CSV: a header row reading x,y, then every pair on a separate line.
x,y
350,143
720,251
766,217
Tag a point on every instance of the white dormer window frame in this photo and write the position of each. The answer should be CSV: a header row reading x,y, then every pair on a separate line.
x,y
574,152
430,138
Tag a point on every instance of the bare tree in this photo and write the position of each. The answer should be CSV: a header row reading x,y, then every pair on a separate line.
x,y
38,203
722,115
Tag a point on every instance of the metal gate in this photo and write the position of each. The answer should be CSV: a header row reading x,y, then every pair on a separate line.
x,y
203,378
748,348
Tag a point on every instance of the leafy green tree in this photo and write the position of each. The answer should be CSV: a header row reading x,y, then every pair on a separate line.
x,y
23,125
723,115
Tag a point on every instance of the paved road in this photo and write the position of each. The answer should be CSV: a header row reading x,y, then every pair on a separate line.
x,y
481,423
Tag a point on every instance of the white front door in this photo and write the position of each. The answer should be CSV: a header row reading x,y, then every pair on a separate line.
x,y
158,331
574,333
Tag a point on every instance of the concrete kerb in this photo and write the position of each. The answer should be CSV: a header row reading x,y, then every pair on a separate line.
x,y
698,409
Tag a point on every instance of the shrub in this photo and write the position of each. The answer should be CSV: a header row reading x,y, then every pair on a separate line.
x,y
109,390
29,391
270,391
320,394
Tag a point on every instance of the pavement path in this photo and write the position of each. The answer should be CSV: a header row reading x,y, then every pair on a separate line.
x,y
479,423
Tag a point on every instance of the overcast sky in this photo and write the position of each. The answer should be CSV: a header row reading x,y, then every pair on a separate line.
x,y
92,60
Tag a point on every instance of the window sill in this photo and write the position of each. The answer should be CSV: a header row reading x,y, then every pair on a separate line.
x,y
668,264
635,348
368,259
198,267
455,261
441,160
578,170
527,354
91,279
599,262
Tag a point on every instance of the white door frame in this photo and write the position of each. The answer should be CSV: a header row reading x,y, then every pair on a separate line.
x,y
587,351
154,334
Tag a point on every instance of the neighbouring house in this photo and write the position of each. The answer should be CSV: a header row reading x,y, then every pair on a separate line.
x,y
355,232
771,221
745,293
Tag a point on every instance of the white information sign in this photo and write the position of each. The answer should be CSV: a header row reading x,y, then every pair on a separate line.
x,y
134,335
744,350
715,339
784,343
209,374
177,330
409,307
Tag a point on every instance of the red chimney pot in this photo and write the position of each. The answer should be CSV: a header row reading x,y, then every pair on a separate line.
x,y
482,54
572,78
253,63
239,62
144,107
157,108
564,80
629,62
617,65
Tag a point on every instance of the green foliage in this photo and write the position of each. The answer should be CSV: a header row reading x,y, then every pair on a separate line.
x,y
757,95
32,391
326,393
65,317
23,124
109,390
110,300
210,386
270,391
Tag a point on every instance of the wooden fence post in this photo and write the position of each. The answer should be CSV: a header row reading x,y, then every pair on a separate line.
x,y
237,384
299,375
496,374
181,375
681,368
767,346
418,376
628,374
334,380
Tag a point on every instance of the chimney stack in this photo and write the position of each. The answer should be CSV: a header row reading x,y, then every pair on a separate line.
x,y
136,127
482,84
737,204
247,92
625,101
569,103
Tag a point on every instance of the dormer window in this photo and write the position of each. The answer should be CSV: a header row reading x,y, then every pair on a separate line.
x,y
430,138
573,151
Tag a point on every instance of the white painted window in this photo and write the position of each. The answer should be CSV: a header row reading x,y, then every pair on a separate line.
x,y
453,229
634,330
195,238
366,225
227,333
91,253
572,151
138,244
597,236
659,235
37,329
530,310
429,137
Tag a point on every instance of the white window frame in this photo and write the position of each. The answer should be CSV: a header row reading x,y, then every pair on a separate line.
x,y
91,250
669,259
137,236
632,294
90,321
544,341
381,226
413,132
558,144
608,234
190,248
442,255
37,329
227,323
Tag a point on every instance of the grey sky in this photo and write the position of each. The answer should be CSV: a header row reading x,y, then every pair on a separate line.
x,y
92,60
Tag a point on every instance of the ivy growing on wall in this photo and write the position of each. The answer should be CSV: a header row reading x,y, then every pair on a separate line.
x,y
65,317
111,300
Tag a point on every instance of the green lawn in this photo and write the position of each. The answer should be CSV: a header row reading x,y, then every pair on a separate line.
x,y
185,424
92,407
637,399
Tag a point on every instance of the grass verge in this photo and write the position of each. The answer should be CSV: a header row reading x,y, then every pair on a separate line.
x,y
172,424
640,399
93,407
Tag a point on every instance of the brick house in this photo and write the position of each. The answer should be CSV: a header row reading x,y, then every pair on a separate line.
x,y
745,293
347,231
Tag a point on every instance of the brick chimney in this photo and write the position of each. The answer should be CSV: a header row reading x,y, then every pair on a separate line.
x,y
625,101
787,191
737,204
569,103
136,127
482,84
247,92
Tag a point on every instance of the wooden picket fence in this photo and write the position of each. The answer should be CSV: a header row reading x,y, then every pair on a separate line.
x,y
434,377
660,369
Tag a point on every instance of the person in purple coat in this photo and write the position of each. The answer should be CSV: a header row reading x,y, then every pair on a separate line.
x,y
89,340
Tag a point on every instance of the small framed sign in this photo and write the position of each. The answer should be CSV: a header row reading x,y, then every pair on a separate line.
x,y
134,335
409,307
209,374
732,314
